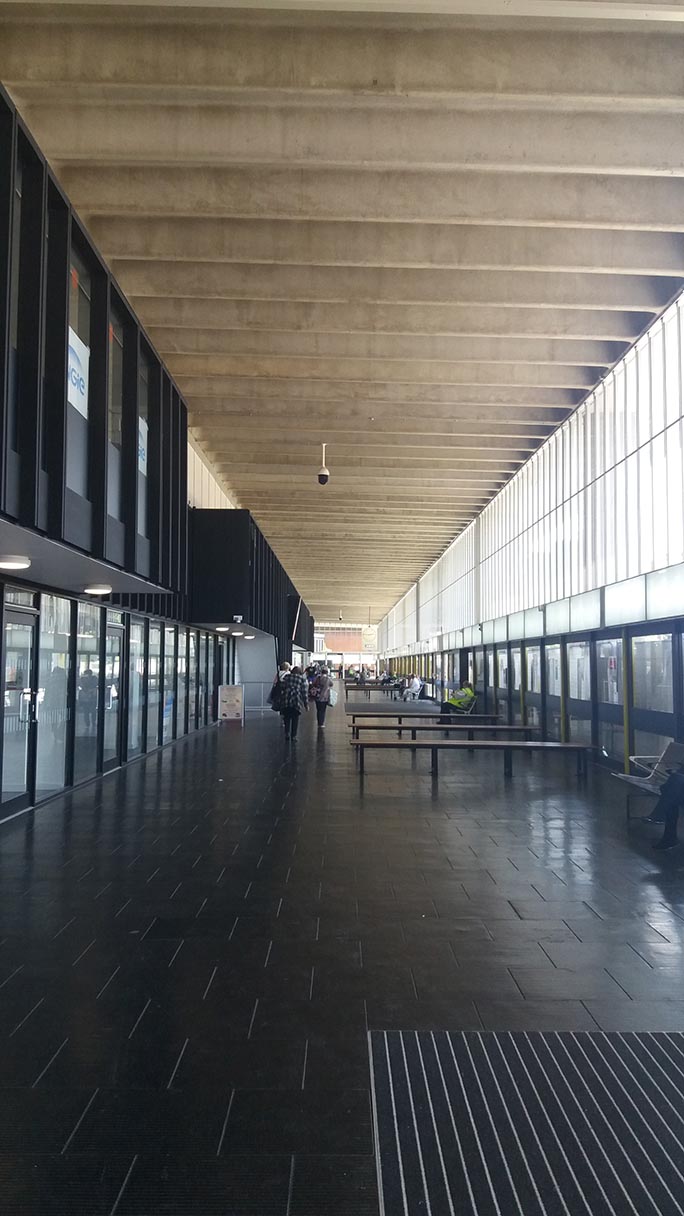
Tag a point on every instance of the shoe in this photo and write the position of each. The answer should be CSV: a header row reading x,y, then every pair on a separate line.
x,y
651,819
665,844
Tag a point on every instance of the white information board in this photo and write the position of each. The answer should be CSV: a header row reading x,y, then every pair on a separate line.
x,y
231,703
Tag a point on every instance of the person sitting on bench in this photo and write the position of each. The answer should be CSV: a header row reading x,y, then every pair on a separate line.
x,y
460,700
666,810
412,690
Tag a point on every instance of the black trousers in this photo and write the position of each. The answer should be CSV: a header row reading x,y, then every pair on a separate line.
x,y
668,805
321,707
291,718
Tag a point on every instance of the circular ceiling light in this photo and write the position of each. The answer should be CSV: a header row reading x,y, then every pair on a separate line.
x,y
14,561
237,633
223,628
97,589
249,637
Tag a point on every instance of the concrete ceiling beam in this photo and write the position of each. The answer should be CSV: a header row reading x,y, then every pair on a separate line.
x,y
432,319
228,55
382,371
229,439
554,200
514,397
369,285
285,242
387,346
416,430
539,141
268,411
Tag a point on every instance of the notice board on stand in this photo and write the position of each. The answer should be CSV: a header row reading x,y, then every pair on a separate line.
x,y
231,703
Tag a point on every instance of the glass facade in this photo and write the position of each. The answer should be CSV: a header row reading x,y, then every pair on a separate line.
x,y
78,377
600,502
154,685
652,672
88,630
136,686
53,708
115,413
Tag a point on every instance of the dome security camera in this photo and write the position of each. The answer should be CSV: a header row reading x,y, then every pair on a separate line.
x,y
340,616
323,472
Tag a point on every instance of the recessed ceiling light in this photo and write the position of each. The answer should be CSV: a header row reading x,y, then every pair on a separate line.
x,y
249,637
223,628
13,561
237,633
97,589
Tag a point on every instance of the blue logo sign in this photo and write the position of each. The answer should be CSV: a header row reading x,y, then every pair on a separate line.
x,y
75,373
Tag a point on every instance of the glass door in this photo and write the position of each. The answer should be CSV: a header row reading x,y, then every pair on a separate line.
x,y
19,717
114,639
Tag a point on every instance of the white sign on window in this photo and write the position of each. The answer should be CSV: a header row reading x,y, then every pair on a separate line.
x,y
77,373
142,446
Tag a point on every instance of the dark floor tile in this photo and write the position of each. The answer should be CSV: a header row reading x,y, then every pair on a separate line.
x,y
544,1015
560,983
147,1121
637,1015
301,1121
336,1062
46,1184
230,1186
39,1120
334,1186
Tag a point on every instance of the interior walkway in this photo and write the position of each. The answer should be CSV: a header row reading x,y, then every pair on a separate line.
x,y
193,951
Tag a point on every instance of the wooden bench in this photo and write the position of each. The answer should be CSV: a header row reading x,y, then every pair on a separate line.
x,y
470,729
400,718
506,746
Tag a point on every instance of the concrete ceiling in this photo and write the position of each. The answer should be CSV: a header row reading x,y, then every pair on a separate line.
x,y
419,238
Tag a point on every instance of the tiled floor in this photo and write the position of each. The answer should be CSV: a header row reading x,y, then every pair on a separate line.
x,y
193,951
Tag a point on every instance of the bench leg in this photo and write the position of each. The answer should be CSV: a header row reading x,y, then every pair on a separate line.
x,y
361,760
508,762
435,765
413,735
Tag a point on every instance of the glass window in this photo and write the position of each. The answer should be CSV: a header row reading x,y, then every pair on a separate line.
x,y
517,668
579,669
15,281
77,470
202,686
136,686
579,729
112,694
502,668
114,413
652,672
553,670
647,744
87,690
533,662
609,671
143,439
21,599
490,668
192,680
169,683
182,691
153,685
611,739
52,701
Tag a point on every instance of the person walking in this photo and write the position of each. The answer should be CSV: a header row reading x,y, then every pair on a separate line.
x,y
293,699
321,689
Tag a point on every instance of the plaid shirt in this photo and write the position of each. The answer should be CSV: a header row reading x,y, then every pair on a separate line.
x,y
294,692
